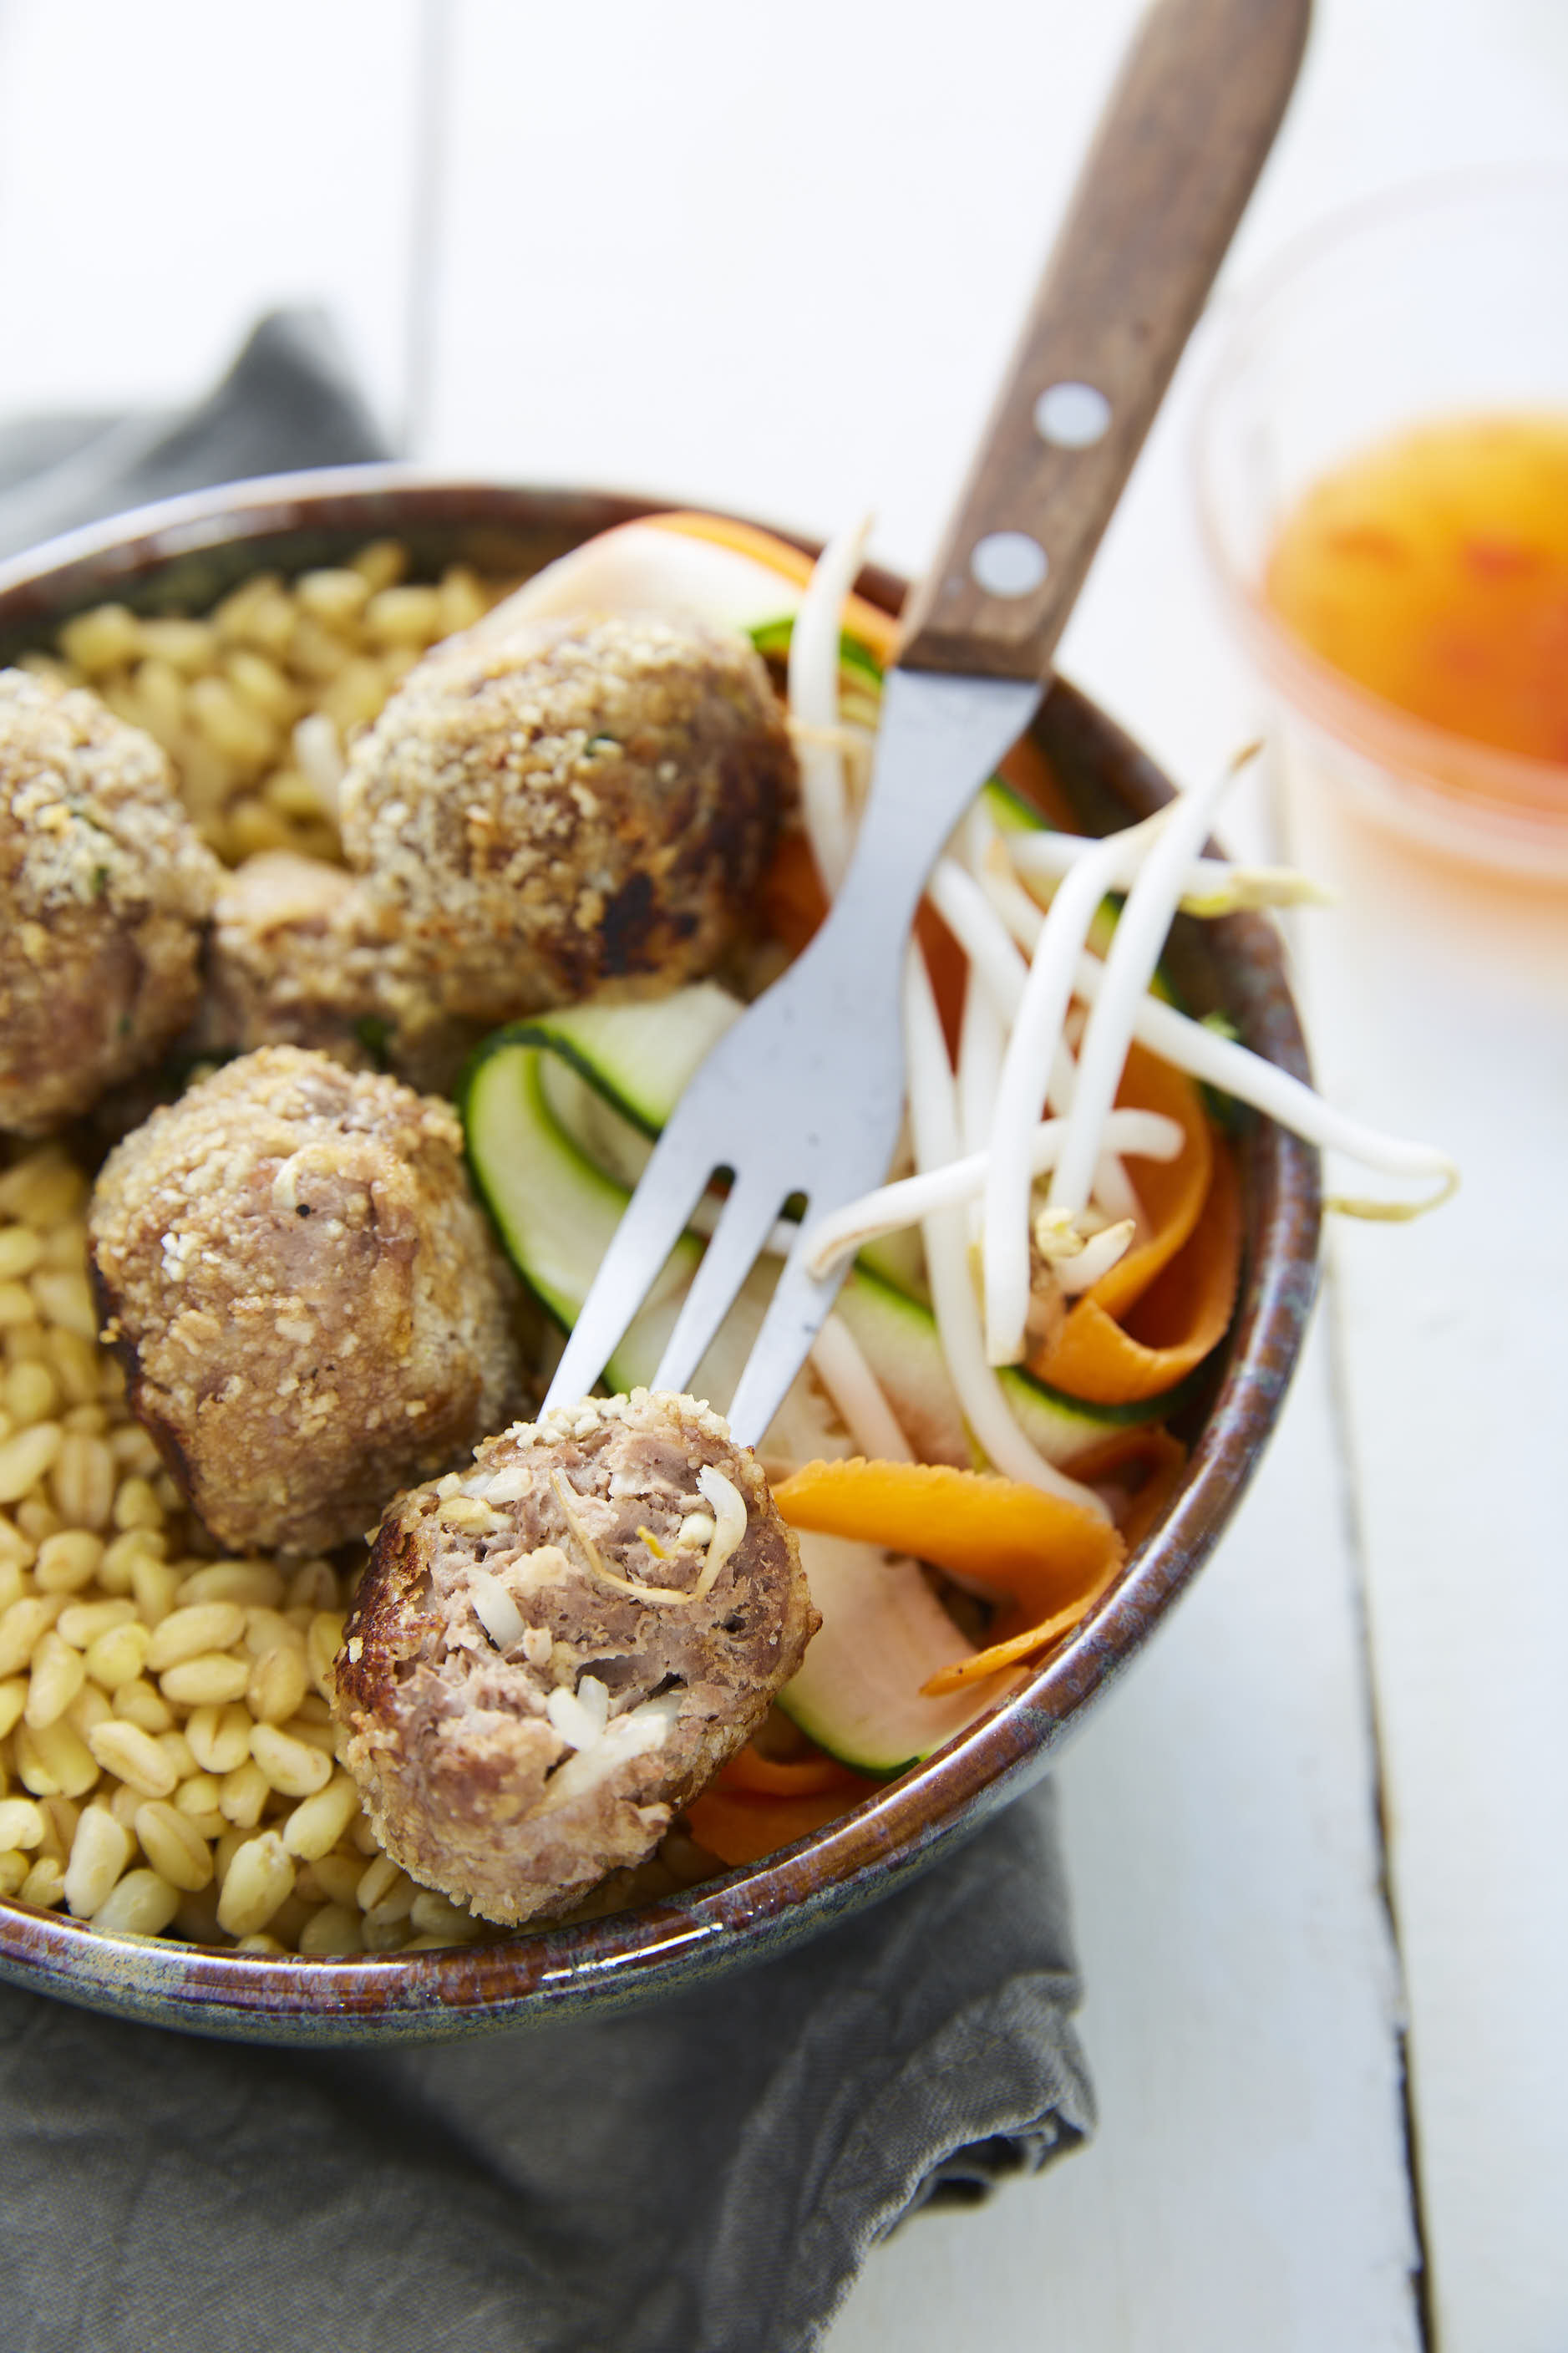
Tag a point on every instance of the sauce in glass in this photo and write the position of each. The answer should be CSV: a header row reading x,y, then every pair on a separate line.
x,y
1433,571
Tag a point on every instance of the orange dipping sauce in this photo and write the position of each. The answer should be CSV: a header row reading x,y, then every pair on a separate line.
x,y
1433,571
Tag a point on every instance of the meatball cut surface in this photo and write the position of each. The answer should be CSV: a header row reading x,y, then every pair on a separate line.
x,y
551,1653
573,808
304,1294
104,891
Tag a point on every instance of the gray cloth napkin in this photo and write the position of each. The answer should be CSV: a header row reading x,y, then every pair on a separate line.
x,y
701,2175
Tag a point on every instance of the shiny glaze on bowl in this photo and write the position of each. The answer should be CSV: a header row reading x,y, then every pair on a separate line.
x,y
187,552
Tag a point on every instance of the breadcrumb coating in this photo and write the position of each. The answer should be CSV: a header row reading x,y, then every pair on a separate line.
x,y
104,891
582,807
304,1294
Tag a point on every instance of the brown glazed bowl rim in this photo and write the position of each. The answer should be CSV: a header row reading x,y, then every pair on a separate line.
x,y
759,1910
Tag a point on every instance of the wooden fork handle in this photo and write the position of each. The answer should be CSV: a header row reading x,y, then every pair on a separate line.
x,y
1178,149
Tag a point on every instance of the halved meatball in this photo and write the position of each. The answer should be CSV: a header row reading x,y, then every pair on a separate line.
x,y
305,1295
104,891
574,807
551,1653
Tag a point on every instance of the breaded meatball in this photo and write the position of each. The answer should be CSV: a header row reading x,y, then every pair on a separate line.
x,y
549,1655
104,891
290,963
304,1294
578,807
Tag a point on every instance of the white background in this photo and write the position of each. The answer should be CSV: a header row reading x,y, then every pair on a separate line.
x,y
774,259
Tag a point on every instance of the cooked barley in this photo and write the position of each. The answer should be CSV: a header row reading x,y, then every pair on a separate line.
x,y
244,1794
260,1876
55,1761
83,1477
278,1681
293,1767
44,1885
58,1674
99,1853
140,1702
173,1846
12,1700
141,1905
219,1737
67,1561
186,1632
89,1708
22,1822
377,1882
335,1929
24,1458
134,1755
315,1826
205,1681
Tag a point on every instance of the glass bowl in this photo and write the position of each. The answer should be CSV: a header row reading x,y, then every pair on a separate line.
x,y
189,552
1439,302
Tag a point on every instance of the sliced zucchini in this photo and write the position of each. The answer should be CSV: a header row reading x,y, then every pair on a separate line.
x,y
897,1337
858,664
555,1209
548,1102
883,1634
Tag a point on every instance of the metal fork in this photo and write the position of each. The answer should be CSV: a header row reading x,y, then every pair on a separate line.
x,y
804,1095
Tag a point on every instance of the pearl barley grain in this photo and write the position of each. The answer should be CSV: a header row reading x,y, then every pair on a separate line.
x,y
99,1852
261,1875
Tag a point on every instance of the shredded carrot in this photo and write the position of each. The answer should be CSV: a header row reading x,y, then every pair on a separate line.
x,y
739,1827
1092,1356
1011,1654
750,1773
1035,1551
1155,1459
876,630
1160,1459
1171,1191
1172,1326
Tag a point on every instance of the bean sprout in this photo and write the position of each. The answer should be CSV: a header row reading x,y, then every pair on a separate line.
x,y
933,1119
729,1508
1048,992
1141,1135
1140,934
814,702
1235,1069
496,1610
1210,886
855,1390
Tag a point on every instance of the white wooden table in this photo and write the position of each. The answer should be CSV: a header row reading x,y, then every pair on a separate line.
x,y
774,259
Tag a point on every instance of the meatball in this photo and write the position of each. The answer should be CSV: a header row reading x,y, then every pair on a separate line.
x,y
104,891
289,962
304,1294
549,1655
574,807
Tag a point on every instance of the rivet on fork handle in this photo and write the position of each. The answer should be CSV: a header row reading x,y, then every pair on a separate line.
x,y
1182,137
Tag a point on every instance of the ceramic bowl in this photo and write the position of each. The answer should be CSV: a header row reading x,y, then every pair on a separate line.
x,y
186,554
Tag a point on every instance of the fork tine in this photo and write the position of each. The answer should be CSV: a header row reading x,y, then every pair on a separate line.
x,y
655,1218
743,1227
796,1314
